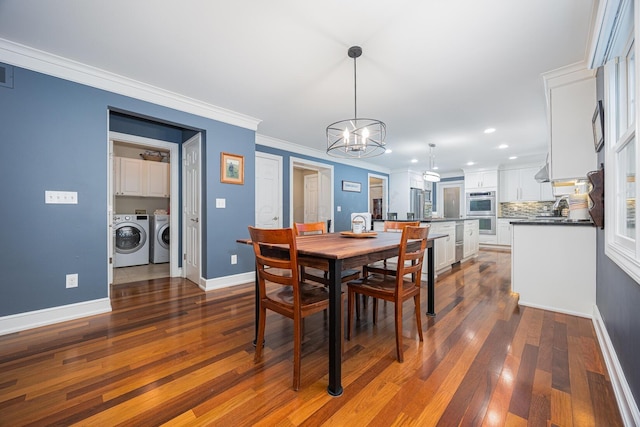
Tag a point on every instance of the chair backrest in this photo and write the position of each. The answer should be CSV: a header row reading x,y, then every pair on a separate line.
x,y
398,226
304,228
414,257
276,265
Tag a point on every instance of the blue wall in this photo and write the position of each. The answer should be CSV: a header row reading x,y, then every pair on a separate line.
x,y
53,136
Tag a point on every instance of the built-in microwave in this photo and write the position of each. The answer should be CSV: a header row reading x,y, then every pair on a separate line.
x,y
481,203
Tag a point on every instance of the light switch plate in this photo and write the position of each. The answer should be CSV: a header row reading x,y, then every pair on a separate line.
x,y
61,197
221,203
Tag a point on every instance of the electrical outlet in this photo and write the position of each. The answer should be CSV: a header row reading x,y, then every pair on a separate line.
x,y
72,280
234,259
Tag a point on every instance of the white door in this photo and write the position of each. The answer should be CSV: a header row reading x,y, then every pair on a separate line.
x,y
268,191
110,204
191,179
311,198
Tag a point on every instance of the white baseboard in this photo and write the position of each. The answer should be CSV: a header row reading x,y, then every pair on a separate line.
x,y
557,310
49,316
226,281
626,402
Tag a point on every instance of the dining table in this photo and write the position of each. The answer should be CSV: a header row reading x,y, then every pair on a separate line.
x,y
335,252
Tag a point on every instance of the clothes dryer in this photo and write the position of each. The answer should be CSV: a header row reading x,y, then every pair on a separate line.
x,y
159,245
131,245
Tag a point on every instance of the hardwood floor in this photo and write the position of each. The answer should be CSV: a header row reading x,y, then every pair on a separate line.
x,y
170,353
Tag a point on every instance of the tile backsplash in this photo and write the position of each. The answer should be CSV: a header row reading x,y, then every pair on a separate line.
x,y
527,209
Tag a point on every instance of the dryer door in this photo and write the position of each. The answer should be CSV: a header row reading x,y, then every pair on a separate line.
x,y
163,236
130,237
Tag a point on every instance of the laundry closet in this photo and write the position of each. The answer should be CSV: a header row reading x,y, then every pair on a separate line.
x,y
141,192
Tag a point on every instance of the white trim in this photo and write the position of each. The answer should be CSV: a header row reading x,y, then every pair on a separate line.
x,y
227,281
57,66
624,397
296,161
312,152
554,309
49,316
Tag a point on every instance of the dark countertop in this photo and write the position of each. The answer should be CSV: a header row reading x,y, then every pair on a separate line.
x,y
553,221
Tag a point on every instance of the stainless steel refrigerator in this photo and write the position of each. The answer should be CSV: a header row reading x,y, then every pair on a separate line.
x,y
417,199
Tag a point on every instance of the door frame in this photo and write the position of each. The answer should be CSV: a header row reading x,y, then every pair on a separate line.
x,y
385,192
321,168
173,148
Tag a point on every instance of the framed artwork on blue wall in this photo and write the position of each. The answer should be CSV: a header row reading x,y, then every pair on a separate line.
x,y
231,168
354,187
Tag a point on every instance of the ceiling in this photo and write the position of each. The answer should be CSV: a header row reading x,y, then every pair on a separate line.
x,y
434,71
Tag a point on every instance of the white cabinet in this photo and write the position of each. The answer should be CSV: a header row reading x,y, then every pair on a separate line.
x,y
503,231
157,179
445,248
471,243
571,101
520,185
482,180
130,177
134,177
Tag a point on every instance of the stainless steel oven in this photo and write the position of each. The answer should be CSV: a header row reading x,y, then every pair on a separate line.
x,y
481,203
487,224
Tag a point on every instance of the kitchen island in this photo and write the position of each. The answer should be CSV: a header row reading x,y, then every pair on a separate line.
x,y
553,264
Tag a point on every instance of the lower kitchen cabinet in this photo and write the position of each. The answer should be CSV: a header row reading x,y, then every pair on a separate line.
x,y
445,248
503,230
471,243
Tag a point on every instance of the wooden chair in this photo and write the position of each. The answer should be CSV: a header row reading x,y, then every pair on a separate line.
x,y
314,274
294,299
397,288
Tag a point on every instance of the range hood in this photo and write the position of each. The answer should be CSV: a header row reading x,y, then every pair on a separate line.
x,y
543,174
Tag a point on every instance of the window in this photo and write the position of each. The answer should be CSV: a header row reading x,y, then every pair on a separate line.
x,y
621,151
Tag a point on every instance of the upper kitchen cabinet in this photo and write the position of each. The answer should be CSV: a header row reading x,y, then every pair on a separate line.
x,y
481,180
571,101
520,185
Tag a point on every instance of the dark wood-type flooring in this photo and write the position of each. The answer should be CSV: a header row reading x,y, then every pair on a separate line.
x,y
171,353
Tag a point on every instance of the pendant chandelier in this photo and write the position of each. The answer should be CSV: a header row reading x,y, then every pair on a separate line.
x,y
358,137
430,175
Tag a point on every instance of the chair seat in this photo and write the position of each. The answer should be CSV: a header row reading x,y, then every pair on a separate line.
x,y
381,286
310,295
321,276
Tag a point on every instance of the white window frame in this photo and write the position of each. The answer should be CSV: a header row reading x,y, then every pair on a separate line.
x,y
619,133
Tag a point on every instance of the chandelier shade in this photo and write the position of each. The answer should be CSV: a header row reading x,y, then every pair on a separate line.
x,y
430,175
356,138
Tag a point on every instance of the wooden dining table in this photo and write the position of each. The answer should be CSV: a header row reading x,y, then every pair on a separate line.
x,y
335,252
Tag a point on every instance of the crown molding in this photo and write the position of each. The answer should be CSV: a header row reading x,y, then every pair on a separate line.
x,y
57,66
318,154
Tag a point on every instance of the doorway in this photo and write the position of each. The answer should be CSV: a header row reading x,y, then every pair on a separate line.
x,y
378,190
311,189
135,202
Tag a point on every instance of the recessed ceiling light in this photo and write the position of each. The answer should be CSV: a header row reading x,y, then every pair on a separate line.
x,y
435,168
489,130
513,157
503,146
414,160
388,150
470,163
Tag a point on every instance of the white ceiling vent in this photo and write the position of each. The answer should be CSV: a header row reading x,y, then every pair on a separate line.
x,y
6,75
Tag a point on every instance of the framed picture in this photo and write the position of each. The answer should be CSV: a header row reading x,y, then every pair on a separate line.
x,y
354,187
231,168
598,126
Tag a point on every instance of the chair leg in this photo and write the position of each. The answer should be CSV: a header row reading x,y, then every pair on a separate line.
x,y
350,304
398,312
260,337
416,299
297,349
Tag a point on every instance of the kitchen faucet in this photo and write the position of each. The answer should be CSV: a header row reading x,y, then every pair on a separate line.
x,y
557,210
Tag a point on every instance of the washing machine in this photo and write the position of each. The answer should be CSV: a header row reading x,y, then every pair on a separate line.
x,y
159,244
131,240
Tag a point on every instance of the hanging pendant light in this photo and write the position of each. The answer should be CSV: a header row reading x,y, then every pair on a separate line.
x,y
356,138
430,175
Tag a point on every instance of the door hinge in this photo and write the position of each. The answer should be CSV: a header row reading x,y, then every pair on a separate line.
x,y
110,260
